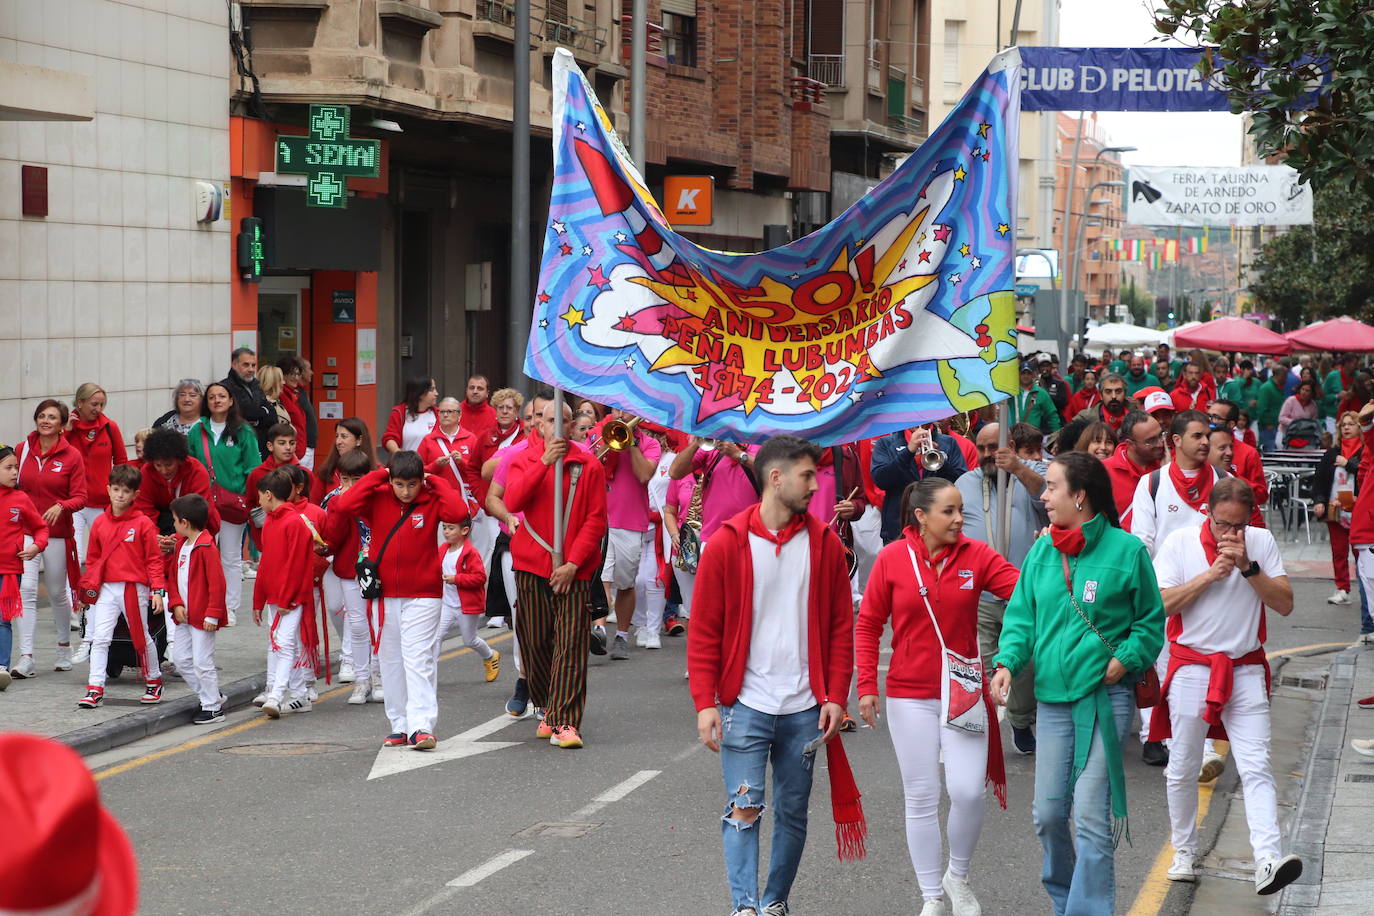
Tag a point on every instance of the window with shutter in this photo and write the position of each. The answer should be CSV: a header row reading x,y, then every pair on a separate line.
x,y
953,35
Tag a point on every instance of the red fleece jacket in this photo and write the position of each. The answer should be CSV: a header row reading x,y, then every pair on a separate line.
x,y
462,450
970,568
529,489
204,598
469,577
18,517
156,492
122,549
57,477
316,494
286,573
723,616
101,445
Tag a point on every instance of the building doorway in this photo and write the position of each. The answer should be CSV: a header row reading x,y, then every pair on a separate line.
x,y
281,308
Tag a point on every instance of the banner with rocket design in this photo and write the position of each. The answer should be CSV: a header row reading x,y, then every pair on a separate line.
x,y
900,311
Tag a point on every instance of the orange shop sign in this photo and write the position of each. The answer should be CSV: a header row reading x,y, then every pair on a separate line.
x,y
689,199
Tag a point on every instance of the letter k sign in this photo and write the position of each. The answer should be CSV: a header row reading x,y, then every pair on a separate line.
x,y
690,199
687,200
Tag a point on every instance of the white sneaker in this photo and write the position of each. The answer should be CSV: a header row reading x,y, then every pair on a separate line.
x,y
272,707
233,618
1362,746
296,704
346,675
64,659
935,907
651,641
377,695
311,693
261,699
641,637
1212,766
498,622
4,677
1273,875
83,653
1339,596
960,896
1184,867
359,695
24,669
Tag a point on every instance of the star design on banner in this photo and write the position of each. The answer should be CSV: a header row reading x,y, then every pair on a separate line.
x,y
975,262
902,265
922,195
543,322
794,276
983,130
544,297
582,126
1003,228
811,262
859,243
855,397
574,316
987,154
955,278
977,151
942,233
629,362
587,251
921,239
924,257
879,393
964,249
598,278
560,227
565,249
959,173
626,323
621,237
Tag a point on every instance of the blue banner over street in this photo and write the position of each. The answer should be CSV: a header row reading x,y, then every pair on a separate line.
x,y
1116,79
898,312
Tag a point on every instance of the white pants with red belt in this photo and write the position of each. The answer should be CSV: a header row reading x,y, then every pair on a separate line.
x,y
54,571
283,652
348,611
408,664
100,624
1246,717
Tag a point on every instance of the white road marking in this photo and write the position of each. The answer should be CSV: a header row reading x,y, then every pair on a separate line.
x,y
393,760
613,794
490,867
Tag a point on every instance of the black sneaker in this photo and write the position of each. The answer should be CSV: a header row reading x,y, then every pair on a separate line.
x,y
208,717
1023,739
520,700
598,643
1155,754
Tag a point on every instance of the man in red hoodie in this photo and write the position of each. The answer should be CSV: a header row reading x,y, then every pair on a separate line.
x,y
772,588
1140,452
1190,393
552,623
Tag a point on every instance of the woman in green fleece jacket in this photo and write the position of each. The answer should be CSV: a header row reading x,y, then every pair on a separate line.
x,y
1086,666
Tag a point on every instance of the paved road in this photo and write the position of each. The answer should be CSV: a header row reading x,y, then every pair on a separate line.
x,y
261,815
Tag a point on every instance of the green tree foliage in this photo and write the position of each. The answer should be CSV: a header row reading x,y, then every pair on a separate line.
x,y
1324,270
1269,53
1140,303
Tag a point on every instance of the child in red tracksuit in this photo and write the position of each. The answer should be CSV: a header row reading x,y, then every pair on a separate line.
x,y
465,595
123,570
283,592
348,539
18,517
196,596
315,519
403,509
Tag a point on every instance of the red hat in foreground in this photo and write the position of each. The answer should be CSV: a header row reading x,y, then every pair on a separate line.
x,y
1154,398
64,853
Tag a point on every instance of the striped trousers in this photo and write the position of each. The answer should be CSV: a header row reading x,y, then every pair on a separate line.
x,y
554,632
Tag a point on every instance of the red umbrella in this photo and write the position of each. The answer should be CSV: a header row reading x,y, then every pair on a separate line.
x,y
1232,334
1339,335
1291,334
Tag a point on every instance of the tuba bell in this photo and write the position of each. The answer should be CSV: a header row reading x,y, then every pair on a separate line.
x,y
617,435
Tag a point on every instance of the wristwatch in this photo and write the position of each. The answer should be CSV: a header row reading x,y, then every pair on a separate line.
x,y
1253,570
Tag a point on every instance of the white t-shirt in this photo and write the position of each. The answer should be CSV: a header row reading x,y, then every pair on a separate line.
x,y
1153,520
450,568
184,572
658,484
416,429
776,678
216,431
1224,618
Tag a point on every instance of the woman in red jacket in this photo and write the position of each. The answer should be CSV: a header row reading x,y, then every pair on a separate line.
x,y
52,473
101,445
413,419
937,701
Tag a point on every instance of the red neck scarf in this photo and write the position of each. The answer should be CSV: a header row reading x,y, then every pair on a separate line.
x,y
1349,447
1209,543
1068,540
1195,492
756,526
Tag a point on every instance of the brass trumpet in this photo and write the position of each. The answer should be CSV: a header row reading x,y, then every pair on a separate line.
x,y
617,436
932,459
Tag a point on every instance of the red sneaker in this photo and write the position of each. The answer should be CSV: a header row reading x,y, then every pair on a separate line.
x,y
422,741
544,730
395,739
92,698
152,693
673,627
1366,703
565,736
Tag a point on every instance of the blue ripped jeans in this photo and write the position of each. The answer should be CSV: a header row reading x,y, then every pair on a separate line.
x,y
749,740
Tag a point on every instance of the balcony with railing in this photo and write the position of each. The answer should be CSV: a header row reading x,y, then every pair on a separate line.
x,y
826,69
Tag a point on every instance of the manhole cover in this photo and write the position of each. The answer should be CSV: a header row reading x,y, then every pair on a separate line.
x,y
1304,683
285,749
562,831
1359,777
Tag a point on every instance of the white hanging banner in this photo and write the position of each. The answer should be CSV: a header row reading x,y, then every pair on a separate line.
x,y
1248,195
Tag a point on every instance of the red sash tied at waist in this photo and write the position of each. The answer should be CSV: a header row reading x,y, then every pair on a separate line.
x,y
1220,682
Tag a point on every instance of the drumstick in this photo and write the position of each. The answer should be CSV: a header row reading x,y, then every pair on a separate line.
x,y
836,516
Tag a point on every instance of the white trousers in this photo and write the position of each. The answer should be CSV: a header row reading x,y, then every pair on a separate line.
x,y
82,521
484,532
685,582
230,544
195,658
1246,717
920,738
348,612
284,650
467,628
100,624
53,562
407,662
868,541
308,459
508,580
650,597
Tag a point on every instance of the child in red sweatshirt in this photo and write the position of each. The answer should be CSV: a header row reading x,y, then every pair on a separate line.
x,y
196,596
123,570
18,517
314,518
283,592
465,595
281,451
348,539
403,509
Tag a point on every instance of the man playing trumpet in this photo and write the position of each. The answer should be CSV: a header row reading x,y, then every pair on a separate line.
x,y
630,459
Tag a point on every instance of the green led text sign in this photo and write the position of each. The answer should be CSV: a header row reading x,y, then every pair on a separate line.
x,y
328,157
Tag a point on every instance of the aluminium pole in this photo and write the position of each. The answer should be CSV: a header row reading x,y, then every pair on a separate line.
x,y
1072,273
556,432
521,302
639,37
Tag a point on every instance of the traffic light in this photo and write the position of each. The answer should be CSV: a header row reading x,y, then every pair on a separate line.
x,y
251,254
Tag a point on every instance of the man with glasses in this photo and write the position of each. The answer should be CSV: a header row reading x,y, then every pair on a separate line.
x,y
1140,451
1217,578
1245,460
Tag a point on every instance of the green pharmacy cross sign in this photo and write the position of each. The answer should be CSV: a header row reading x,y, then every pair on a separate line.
x,y
328,157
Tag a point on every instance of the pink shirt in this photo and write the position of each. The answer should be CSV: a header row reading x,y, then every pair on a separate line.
x,y
727,492
824,499
627,500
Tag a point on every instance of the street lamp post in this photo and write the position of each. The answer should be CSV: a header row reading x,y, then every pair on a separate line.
x,y
1070,272
1077,250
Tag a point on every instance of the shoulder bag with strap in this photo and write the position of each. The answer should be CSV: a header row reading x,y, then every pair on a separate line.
x,y
1147,692
574,475
370,571
233,507
961,684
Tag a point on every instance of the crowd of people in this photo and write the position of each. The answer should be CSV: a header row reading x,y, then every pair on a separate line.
x,y
784,563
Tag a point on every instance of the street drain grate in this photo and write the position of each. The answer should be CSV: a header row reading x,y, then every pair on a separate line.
x,y
1305,683
559,831
284,749
1359,777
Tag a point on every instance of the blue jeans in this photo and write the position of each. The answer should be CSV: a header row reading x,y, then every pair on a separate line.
x,y
1080,874
1366,622
1267,437
749,739
6,642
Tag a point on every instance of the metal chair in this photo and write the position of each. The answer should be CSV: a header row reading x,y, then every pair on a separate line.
x,y
1296,501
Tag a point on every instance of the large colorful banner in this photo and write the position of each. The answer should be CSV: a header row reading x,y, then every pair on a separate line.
x,y
901,311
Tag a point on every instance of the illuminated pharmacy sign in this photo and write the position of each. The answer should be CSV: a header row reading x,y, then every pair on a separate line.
x,y
328,156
